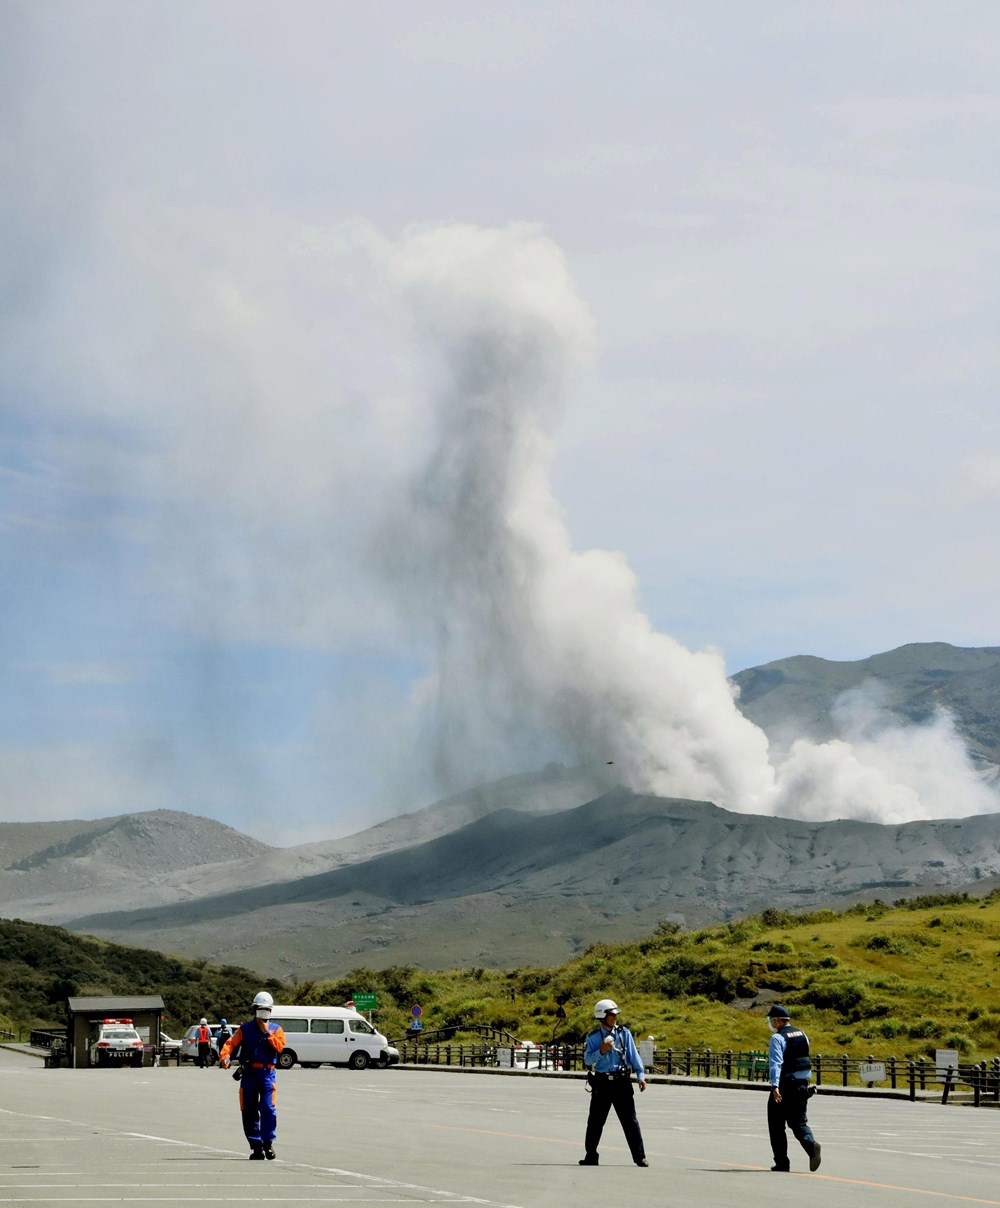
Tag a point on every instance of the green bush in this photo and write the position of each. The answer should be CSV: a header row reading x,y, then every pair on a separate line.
x,y
887,943
925,1029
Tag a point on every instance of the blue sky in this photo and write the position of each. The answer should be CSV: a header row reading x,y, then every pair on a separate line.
x,y
768,235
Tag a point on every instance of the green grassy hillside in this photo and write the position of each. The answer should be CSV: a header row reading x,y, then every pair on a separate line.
x,y
42,966
900,980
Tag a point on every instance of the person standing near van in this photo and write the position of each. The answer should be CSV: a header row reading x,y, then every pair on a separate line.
x,y
256,1044
204,1045
223,1034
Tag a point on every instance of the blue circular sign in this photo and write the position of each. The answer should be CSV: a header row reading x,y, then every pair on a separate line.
x,y
415,1011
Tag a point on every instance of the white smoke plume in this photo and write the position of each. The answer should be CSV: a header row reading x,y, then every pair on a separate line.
x,y
331,441
536,641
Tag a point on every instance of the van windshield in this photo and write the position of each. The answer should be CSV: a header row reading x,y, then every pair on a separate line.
x,y
362,1025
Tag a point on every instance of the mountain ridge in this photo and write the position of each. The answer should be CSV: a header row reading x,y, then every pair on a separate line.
x,y
617,864
536,866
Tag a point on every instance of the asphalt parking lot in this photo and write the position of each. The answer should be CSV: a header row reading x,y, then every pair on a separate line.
x,y
172,1136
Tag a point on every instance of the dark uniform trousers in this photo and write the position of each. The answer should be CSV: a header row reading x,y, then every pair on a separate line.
x,y
615,1091
791,1111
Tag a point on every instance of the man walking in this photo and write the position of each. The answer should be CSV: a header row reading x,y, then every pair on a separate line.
x,y
790,1069
257,1043
610,1055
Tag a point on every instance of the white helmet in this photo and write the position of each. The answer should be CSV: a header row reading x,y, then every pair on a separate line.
x,y
263,1002
203,1021
603,1006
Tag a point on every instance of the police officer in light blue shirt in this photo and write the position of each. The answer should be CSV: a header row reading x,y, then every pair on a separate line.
x,y
790,1069
610,1055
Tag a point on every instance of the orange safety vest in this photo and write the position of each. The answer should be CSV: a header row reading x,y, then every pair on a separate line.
x,y
203,1036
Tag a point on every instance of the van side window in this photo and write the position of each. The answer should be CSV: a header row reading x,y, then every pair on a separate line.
x,y
328,1025
361,1025
292,1025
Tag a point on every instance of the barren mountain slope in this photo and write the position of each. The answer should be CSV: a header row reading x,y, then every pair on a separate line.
x,y
50,872
557,882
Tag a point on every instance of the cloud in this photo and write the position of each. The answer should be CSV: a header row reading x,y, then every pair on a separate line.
x,y
231,424
324,437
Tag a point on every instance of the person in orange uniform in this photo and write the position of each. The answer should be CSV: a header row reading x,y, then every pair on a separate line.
x,y
204,1045
256,1045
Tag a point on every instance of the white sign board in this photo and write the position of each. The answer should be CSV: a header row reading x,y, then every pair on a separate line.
x,y
646,1048
872,1071
944,1058
503,1058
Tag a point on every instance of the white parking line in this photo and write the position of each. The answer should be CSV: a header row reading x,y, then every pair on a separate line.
x,y
365,1182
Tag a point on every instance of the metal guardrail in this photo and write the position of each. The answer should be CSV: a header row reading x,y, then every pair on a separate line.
x,y
53,1039
983,1078
437,1035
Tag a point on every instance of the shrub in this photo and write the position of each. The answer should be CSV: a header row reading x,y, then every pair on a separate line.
x,y
925,1029
842,997
886,943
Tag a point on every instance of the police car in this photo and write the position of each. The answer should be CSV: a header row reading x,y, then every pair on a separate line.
x,y
115,1042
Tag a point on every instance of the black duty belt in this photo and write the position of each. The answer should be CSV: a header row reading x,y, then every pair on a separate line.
x,y
613,1074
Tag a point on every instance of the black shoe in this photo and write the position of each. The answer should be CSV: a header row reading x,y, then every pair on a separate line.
x,y
257,1154
814,1157
642,1162
783,1169
269,1153
588,1162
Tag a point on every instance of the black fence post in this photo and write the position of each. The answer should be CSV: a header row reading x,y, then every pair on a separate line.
x,y
892,1072
911,1071
843,1068
819,1069
922,1069
947,1083
670,1061
687,1063
729,1064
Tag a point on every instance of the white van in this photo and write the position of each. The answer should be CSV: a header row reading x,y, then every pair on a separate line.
x,y
335,1035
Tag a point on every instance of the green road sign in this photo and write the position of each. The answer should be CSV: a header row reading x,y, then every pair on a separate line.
x,y
365,1002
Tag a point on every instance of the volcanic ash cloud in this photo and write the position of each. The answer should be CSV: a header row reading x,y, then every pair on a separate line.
x,y
537,646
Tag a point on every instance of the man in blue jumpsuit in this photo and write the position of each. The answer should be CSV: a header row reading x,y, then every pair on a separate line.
x,y
257,1044
610,1055
790,1069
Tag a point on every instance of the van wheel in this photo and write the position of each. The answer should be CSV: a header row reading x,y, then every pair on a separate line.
x,y
286,1059
358,1060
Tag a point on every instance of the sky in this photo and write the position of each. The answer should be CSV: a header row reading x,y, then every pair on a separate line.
x,y
395,397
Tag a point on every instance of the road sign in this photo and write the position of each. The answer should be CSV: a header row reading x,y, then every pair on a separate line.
x,y
945,1059
365,1002
416,1012
872,1071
